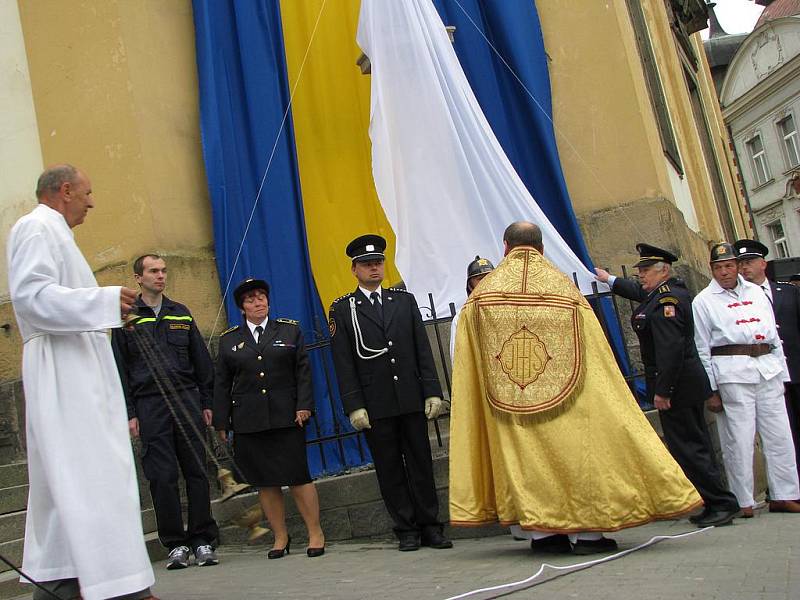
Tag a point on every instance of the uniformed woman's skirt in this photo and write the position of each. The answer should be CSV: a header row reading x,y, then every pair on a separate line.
x,y
273,457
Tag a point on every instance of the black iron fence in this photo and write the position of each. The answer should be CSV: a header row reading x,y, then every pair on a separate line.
x,y
612,313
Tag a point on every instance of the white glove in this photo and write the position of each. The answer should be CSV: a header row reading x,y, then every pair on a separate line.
x,y
433,407
359,419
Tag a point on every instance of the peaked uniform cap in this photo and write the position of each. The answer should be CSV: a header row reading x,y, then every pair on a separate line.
x,y
248,285
366,247
722,251
750,249
650,255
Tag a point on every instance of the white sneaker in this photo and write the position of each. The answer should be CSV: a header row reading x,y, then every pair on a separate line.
x,y
205,556
178,558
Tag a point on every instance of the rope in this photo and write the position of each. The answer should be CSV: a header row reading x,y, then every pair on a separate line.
x,y
33,581
505,589
359,337
155,359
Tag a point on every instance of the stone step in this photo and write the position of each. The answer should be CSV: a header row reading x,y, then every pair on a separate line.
x,y
12,551
10,586
13,474
12,527
13,499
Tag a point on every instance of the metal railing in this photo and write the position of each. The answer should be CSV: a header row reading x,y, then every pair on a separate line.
x,y
605,304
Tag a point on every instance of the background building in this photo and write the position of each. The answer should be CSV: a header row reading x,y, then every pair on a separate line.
x,y
760,99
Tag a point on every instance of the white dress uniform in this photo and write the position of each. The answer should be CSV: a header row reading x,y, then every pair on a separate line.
x,y
751,387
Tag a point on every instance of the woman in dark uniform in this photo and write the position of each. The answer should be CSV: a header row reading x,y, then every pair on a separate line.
x,y
263,394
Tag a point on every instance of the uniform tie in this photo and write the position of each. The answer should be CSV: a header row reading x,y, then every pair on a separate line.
x,y
376,302
766,293
259,331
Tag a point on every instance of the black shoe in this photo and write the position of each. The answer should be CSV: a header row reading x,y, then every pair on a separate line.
x,y
701,515
552,544
280,552
408,543
717,518
435,539
583,547
314,552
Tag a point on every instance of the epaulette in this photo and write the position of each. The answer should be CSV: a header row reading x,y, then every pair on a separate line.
x,y
340,298
288,321
664,289
392,289
668,300
234,328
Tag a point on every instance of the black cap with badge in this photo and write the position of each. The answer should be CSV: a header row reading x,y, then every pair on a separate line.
x,y
722,251
650,255
247,285
366,247
750,249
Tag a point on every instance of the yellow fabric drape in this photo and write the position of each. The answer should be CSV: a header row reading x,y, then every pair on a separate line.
x,y
331,118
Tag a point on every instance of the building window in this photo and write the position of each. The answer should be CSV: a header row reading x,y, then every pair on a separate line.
x,y
654,87
758,157
788,131
778,238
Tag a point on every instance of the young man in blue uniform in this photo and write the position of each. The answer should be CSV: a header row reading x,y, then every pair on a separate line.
x,y
168,426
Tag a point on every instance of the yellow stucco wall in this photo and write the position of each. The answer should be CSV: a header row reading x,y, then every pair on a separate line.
x,y
115,89
607,139
114,85
605,125
20,155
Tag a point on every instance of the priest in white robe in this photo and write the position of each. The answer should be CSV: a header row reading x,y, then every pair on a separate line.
x,y
83,525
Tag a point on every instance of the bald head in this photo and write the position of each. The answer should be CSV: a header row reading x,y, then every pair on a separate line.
x,y
523,233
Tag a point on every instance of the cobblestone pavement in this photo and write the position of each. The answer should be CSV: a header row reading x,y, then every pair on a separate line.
x,y
756,559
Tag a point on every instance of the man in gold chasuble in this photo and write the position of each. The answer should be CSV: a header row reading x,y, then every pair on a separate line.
x,y
545,435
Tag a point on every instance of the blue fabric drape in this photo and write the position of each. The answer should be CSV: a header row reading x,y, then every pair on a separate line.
x,y
243,98
523,125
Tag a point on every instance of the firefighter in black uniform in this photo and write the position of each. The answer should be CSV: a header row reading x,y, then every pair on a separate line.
x,y
169,440
785,300
388,384
676,382
263,393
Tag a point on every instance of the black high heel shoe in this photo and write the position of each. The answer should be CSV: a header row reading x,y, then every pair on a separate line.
x,y
280,552
314,552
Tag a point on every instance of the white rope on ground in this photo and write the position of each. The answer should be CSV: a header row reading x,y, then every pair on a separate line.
x,y
575,567
266,171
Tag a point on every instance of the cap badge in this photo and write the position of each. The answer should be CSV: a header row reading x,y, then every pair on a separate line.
x,y
370,248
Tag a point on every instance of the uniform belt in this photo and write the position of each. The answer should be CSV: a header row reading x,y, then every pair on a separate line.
x,y
741,350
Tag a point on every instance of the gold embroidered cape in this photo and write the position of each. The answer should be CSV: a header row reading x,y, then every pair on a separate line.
x,y
544,431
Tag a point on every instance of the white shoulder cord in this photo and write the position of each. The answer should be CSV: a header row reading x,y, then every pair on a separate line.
x,y
360,338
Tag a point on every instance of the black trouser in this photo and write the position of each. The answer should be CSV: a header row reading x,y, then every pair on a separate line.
x,y
793,410
687,438
164,449
401,452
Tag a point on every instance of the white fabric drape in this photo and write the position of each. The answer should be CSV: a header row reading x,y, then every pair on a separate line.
x,y
445,183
